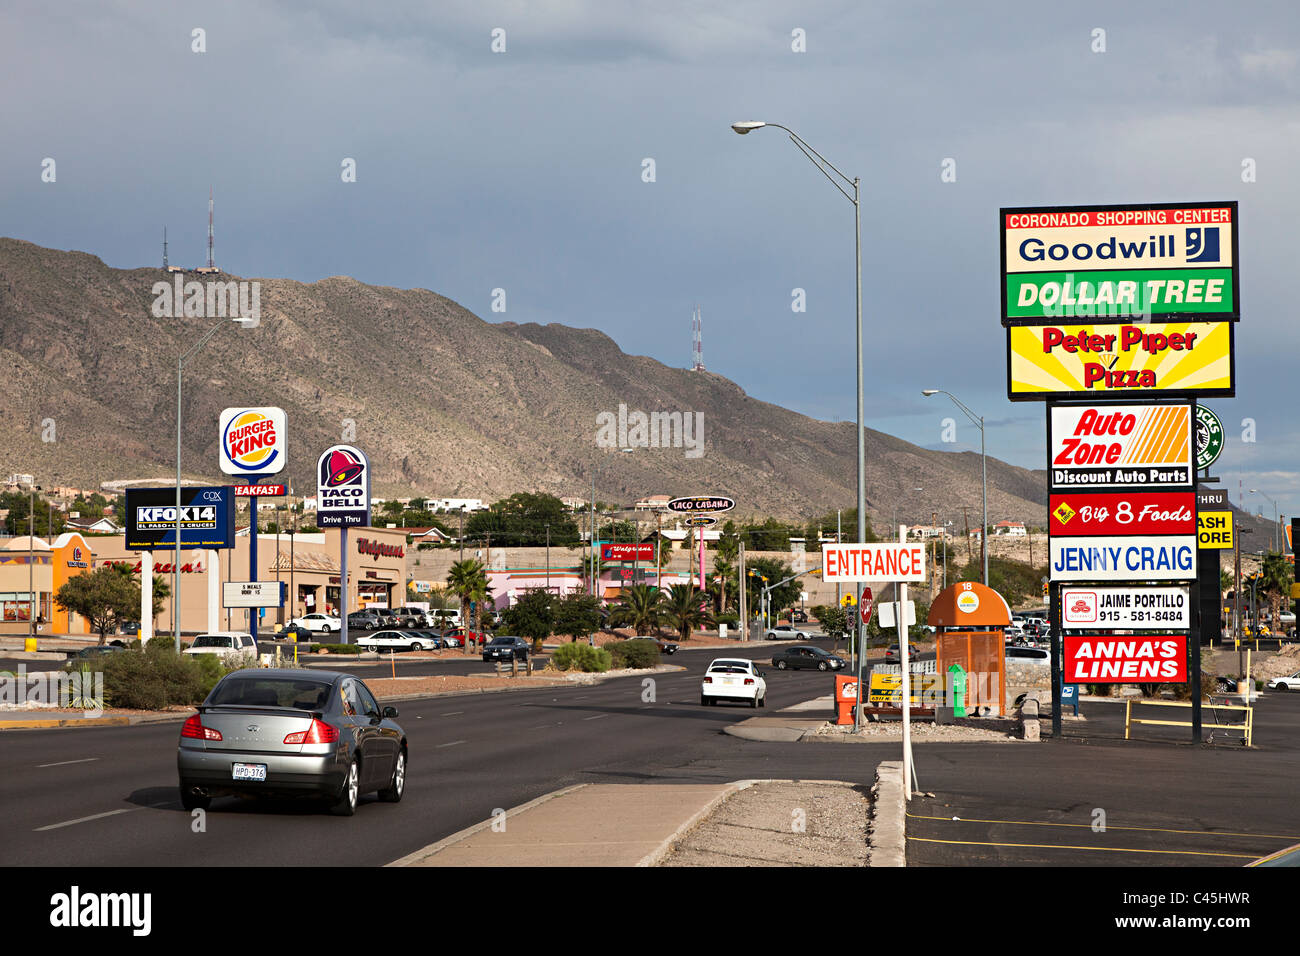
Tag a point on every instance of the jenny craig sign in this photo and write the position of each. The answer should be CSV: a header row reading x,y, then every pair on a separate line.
x,y
342,488
1100,446
873,562
1129,558
1126,262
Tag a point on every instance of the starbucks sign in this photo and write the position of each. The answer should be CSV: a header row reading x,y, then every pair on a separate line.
x,y
1209,437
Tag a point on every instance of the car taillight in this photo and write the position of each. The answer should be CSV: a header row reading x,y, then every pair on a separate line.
x,y
749,680
318,733
708,680
195,730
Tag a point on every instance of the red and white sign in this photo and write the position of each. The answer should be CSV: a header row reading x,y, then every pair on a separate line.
x,y
873,562
1113,659
627,552
864,605
252,441
1168,512
1128,608
256,491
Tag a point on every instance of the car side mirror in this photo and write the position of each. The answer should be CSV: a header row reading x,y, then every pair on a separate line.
x,y
390,712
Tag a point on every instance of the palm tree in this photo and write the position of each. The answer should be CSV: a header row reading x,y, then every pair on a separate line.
x,y
641,607
480,595
463,580
685,609
1275,583
724,570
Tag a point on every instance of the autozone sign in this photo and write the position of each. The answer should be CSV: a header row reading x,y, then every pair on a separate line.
x,y
1157,659
1126,608
1135,558
1150,512
1120,445
1122,261
873,562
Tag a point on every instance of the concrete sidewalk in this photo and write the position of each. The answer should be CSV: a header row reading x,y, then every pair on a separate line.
x,y
586,825
789,724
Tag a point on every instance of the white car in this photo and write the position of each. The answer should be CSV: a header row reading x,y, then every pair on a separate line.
x,y
324,623
786,632
733,679
393,640
1290,682
225,643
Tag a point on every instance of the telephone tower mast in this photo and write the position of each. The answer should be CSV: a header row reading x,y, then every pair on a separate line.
x,y
697,341
164,247
211,261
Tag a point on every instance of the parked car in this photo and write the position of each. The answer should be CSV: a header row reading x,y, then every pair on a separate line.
x,y
798,617
393,641
733,679
445,616
463,633
133,627
1028,654
801,657
366,620
323,623
506,649
291,733
296,632
666,647
786,632
1289,682
225,643
88,655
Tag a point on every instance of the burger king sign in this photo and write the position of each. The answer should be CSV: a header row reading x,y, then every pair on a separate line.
x,y
252,441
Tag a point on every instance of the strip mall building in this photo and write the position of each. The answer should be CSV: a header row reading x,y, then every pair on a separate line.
x,y
308,564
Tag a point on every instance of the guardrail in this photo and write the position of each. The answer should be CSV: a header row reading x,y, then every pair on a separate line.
x,y
1247,728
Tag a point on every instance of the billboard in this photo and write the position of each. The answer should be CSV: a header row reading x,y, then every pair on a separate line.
x,y
1127,558
1126,608
1112,513
253,441
342,488
1128,659
1117,446
1120,361
1148,262
207,518
627,552
700,503
873,562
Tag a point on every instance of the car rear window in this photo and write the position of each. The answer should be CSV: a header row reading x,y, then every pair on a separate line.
x,y
271,692
210,640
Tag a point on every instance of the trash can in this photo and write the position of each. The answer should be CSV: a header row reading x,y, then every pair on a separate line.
x,y
29,644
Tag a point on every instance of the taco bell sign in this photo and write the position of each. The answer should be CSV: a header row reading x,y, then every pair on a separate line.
x,y
342,488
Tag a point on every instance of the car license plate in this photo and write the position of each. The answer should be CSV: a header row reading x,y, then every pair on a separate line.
x,y
248,771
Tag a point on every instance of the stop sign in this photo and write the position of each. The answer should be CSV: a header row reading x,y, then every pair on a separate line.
x,y
865,605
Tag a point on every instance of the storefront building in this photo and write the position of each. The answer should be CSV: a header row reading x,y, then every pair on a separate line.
x,y
49,568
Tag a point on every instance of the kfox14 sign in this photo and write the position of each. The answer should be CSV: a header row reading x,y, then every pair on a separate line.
x,y
342,488
253,441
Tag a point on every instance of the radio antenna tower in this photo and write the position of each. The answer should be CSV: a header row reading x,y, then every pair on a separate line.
x,y
697,341
164,247
211,262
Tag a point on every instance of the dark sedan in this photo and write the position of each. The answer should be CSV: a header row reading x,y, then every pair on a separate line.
x,y
506,649
800,656
291,733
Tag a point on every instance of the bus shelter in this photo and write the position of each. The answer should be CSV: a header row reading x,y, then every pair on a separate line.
x,y
970,647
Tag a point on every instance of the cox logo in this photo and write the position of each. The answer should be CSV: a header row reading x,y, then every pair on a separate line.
x,y
212,495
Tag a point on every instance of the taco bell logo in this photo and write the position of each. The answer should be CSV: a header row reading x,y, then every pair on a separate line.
x,y
342,487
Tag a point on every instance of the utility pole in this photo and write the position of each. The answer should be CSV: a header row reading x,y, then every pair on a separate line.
x,y
462,532
1236,596
744,595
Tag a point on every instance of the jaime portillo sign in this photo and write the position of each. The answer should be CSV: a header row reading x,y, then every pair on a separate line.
x,y
1115,446
1159,512
342,488
252,441
1058,361
1136,558
1122,262
1126,608
873,562
1157,659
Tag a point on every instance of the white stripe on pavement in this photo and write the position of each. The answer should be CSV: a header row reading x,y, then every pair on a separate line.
x,y
97,816
452,744
64,763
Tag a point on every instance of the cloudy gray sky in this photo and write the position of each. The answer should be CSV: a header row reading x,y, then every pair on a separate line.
x,y
523,170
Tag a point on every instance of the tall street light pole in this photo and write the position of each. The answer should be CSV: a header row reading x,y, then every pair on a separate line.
x,y
822,164
176,564
984,468
1276,522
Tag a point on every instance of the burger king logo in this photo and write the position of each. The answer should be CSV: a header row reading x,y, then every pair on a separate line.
x,y
252,441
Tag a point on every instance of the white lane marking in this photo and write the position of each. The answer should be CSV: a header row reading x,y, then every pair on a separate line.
x,y
452,744
97,816
64,763
596,717
457,713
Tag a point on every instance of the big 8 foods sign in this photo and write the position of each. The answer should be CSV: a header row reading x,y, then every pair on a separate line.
x,y
253,441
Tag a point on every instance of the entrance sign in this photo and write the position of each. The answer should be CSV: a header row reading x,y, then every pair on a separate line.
x,y
1126,608
1129,558
1120,361
1125,659
1117,446
873,562
1127,262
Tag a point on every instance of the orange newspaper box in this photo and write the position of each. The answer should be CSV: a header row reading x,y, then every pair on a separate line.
x,y
846,698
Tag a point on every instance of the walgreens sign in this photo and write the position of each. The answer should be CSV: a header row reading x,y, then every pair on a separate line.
x,y
627,552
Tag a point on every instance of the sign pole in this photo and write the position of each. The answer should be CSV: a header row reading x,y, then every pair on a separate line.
x,y
1054,628
1194,635
252,550
899,605
343,583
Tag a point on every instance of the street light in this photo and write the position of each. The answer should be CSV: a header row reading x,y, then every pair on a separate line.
x,y
984,467
176,564
816,158
1276,523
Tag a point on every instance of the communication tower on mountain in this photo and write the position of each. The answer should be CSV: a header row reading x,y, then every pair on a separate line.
x,y
212,265
697,341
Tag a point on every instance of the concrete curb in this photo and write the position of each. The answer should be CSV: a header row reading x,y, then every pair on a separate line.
x,y
46,723
887,834
433,848
772,729
655,856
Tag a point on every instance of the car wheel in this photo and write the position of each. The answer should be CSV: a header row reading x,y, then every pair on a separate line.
x,y
417,646
346,803
191,799
326,629
704,701
822,666
398,784
1282,687
780,665
762,701
753,704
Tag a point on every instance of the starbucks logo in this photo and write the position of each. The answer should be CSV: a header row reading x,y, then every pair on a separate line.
x,y
1209,437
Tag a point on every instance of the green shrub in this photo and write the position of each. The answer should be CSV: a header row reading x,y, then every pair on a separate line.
x,y
731,620
337,648
154,678
636,653
582,657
